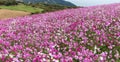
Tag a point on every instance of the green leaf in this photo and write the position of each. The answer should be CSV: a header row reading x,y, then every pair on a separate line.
x,y
75,60
104,48
118,60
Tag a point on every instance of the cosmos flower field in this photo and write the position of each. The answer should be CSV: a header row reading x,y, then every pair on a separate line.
x,y
90,34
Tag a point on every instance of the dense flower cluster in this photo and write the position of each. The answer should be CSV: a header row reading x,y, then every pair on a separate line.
x,y
90,34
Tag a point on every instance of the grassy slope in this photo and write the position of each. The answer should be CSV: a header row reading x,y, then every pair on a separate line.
x,y
22,7
50,7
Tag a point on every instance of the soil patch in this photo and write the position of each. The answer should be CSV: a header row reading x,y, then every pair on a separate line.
x,y
6,14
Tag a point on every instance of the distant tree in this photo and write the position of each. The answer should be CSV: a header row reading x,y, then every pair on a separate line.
x,y
8,2
50,7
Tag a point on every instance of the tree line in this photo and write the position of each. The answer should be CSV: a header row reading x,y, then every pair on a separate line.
x,y
8,2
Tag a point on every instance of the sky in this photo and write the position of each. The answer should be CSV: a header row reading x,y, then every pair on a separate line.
x,y
92,2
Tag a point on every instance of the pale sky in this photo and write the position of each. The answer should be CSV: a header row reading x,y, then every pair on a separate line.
x,y
92,2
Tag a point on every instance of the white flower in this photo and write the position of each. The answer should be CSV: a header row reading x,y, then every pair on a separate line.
x,y
0,55
101,58
11,55
15,60
58,34
55,60
44,59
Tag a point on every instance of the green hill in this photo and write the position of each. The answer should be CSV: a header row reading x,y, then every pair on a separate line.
x,y
22,7
32,8
51,7
60,2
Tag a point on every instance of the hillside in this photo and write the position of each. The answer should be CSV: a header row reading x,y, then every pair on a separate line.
x,y
60,2
29,8
51,7
54,2
22,7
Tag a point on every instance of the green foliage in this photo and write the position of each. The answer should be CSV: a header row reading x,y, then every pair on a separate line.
x,y
118,60
32,8
50,7
104,48
76,60
8,2
22,7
